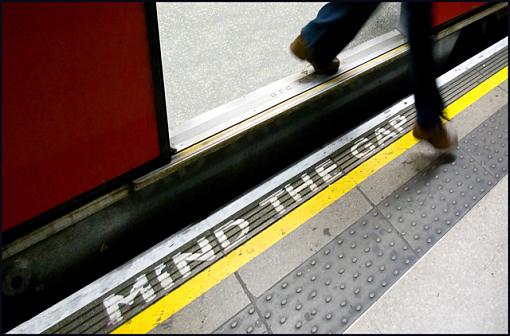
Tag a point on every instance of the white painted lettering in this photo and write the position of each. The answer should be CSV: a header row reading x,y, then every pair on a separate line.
x,y
163,277
113,302
397,122
324,173
275,202
354,149
182,260
222,237
307,183
383,134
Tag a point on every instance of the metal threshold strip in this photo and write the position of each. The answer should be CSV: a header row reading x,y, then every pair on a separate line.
x,y
230,114
268,103
114,299
217,128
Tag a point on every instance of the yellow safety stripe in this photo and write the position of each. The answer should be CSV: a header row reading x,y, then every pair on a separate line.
x,y
174,301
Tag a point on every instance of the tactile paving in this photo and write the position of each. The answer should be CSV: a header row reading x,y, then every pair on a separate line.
x,y
247,321
334,286
428,205
488,143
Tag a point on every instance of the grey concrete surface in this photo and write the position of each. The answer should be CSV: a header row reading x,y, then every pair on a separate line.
x,y
215,52
291,251
460,286
207,312
480,111
504,86
381,184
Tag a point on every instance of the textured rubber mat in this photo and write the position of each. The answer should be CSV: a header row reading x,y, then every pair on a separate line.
x,y
331,289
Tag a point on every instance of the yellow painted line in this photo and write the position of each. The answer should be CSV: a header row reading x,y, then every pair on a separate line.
x,y
221,269
483,88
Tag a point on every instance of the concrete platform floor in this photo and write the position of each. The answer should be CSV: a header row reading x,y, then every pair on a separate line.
x,y
459,286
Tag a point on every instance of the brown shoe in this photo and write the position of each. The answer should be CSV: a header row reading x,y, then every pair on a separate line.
x,y
301,51
438,136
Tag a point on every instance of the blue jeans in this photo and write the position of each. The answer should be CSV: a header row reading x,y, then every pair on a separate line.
x,y
336,25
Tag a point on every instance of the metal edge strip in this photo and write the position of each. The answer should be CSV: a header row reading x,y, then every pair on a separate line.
x,y
95,290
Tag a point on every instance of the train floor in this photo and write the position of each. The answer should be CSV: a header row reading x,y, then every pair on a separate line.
x,y
374,233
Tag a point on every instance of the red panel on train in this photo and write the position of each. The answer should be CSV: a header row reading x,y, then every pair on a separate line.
x,y
78,102
445,11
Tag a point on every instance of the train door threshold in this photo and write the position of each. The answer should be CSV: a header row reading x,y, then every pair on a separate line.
x,y
373,233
